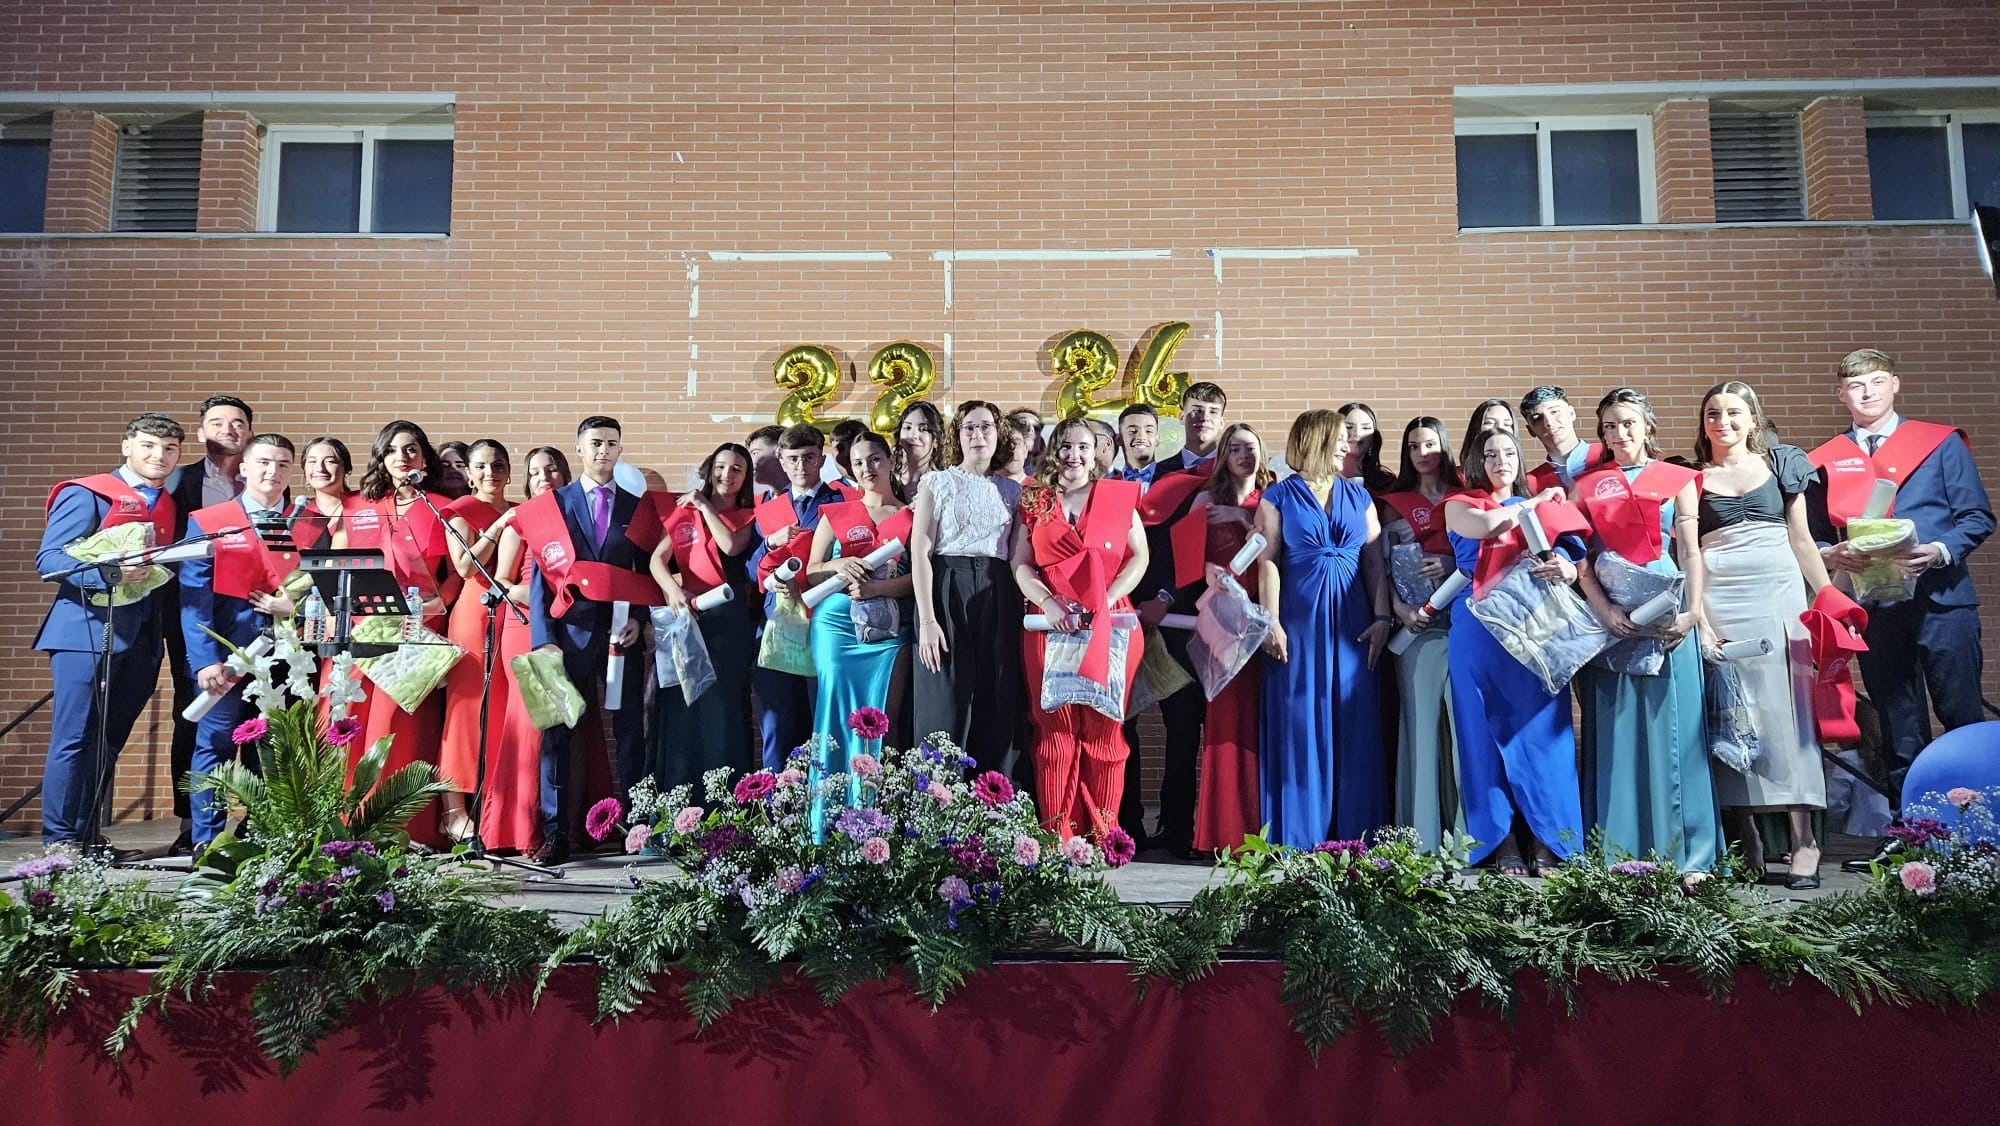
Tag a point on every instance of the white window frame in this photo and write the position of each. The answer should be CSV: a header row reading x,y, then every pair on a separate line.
x,y
1542,127
1952,122
276,137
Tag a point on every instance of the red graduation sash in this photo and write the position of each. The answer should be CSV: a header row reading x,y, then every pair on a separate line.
x,y
127,506
1078,562
1197,541
1425,518
244,563
411,554
1168,497
1833,649
857,533
542,528
1626,514
1851,472
697,557
775,513
1544,476
1499,553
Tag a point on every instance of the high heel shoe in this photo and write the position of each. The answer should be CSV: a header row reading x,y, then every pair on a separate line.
x,y
1807,880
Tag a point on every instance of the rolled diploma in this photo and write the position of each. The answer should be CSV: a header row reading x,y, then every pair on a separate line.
x,y
1247,554
1654,608
1123,619
713,597
1446,591
179,553
614,669
1881,499
259,645
835,584
785,573
1531,530
1751,647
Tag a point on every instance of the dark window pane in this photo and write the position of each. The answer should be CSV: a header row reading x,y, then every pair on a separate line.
x,y
413,186
1596,174
319,187
1982,164
24,184
1496,181
1909,172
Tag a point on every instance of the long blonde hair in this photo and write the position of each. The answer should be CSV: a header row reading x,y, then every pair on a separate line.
x,y
1222,484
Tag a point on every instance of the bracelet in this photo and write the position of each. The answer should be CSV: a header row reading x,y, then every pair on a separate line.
x,y
1384,618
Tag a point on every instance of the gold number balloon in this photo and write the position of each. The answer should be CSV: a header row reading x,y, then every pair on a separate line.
x,y
907,371
1152,383
1088,363
812,375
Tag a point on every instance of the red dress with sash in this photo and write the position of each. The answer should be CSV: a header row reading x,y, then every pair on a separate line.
x,y
458,749
1079,752
414,551
1228,802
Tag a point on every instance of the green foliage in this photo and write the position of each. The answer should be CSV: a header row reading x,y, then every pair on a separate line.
x,y
69,915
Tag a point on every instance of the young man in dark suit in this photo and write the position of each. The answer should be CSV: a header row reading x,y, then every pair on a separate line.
x,y
590,544
784,701
233,595
1926,645
218,477
73,632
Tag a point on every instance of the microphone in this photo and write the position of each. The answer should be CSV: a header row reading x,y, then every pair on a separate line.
x,y
415,478
299,507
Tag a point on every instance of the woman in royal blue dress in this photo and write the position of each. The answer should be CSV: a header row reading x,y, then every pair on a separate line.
x,y
1516,753
1320,735
860,655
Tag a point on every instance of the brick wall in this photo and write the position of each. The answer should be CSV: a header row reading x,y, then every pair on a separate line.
x,y
602,151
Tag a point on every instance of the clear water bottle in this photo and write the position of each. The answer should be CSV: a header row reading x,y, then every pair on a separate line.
x,y
312,620
413,622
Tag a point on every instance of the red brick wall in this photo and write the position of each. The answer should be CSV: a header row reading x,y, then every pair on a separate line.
x,y
1835,146
1683,168
604,150
230,147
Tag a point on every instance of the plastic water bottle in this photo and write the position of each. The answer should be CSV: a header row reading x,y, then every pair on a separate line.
x,y
413,622
312,619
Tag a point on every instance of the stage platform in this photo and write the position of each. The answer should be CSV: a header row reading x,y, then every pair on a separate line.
x,y
592,882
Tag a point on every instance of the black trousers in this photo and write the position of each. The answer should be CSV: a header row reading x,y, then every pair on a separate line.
x,y
180,755
975,695
1183,714
1921,658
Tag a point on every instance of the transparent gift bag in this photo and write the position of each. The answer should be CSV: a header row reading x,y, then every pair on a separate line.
x,y
680,655
1732,730
787,642
1160,676
1405,563
1630,586
1063,683
1543,625
1880,539
1229,627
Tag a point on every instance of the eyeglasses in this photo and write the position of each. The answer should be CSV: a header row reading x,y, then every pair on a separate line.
x,y
978,428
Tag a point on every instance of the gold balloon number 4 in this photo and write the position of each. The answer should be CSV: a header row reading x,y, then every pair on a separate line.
x,y
812,376
1087,363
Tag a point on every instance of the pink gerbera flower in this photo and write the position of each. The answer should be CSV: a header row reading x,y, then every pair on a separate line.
x,y
752,787
869,723
602,818
1119,848
993,788
342,731
250,730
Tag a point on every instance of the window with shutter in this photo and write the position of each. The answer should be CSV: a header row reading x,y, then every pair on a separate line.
x,y
157,182
1759,167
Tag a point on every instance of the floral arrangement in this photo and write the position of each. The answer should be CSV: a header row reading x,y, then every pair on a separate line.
x,y
64,914
919,867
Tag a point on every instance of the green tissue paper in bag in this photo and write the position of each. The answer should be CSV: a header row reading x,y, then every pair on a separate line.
x,y
546,691
787,642
120,539
1881,539
1160,676
413,671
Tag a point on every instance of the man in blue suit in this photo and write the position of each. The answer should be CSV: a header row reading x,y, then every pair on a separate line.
x,y
234,595
587,551
73,632
1929,643
784,701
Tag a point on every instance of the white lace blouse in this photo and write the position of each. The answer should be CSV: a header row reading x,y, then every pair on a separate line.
x,y
975,514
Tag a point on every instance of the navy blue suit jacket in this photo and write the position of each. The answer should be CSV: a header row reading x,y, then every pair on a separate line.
x,y
806,510
202,606
71,625
1945,499
588,623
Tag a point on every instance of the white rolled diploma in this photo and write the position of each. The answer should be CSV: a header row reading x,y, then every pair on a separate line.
x,y
1123,619
1247,554
713,597
1881,499
1750,647
785,573
1531,530
259,645
1442,596
1654,608
834,584
179,553
614,669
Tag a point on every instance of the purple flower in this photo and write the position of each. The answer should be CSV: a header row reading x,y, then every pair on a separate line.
x,y
342,731
861,824
602,818
869,723
954,891
402,870
1635,868
1916,832
721,839
341,850
811,878
1342,848
42,866
1119,848
386,901
971,856
41,897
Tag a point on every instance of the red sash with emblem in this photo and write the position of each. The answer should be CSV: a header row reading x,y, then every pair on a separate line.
x,y
1827,622
1079,562
412,544
1851,472
127,506
1499,553
857,533
1425,517
542,528
1626,514
244,563
697,557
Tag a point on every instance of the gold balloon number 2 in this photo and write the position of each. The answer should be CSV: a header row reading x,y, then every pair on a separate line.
x,y
812,376
1087,363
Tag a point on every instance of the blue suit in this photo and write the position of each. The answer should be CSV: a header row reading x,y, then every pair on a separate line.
x,y
71,635
784,701
1930,643
202,610
584,636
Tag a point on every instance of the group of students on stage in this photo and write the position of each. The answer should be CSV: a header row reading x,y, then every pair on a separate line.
x,y
1084,525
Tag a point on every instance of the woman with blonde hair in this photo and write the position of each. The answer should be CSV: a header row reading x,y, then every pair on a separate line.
x,y
1320,735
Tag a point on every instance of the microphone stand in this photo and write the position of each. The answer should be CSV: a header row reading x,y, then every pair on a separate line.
x,y
492,598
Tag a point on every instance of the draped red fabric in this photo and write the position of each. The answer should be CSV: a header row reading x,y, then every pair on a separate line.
x,y
1028,1042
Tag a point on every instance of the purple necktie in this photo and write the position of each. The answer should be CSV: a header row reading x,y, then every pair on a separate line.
x,y
601,519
